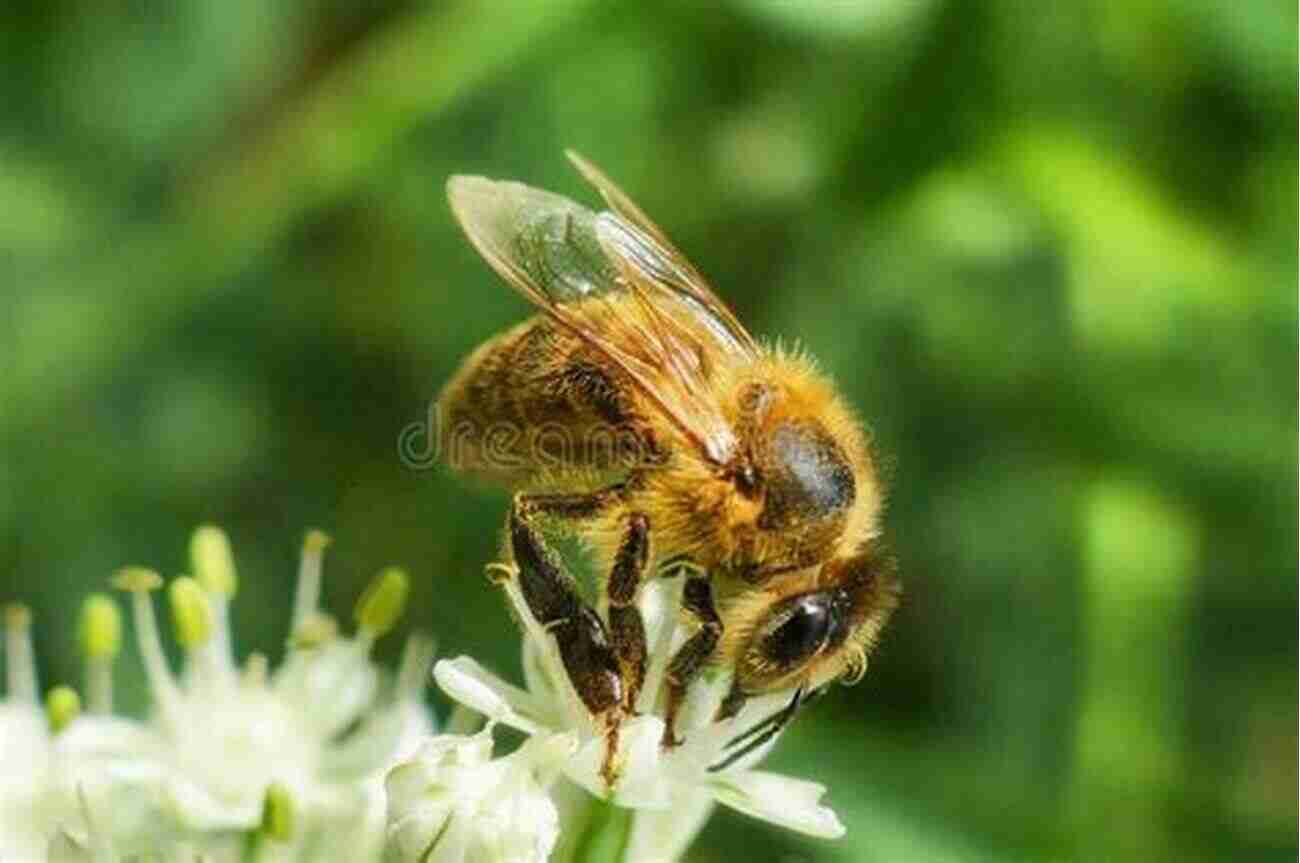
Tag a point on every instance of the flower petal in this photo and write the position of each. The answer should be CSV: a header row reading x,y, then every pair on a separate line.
x,y
388,735
331,685
64,848
107,737
782,800
660,835
641,784
474,686
455,803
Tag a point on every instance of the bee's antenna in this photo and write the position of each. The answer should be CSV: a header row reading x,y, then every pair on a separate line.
x,y
765,730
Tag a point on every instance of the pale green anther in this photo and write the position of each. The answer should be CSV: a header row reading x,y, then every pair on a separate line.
x,y
101,627
62,705
190,614
136,579
315,541
213,562
316,630
383,601
277,813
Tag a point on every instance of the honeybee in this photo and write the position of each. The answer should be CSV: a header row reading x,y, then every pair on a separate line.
x,y
637,409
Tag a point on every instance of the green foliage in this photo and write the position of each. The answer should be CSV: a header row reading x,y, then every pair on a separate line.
x,y
1049,252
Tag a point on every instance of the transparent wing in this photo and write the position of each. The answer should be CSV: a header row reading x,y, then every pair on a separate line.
x,y
649,250
615,285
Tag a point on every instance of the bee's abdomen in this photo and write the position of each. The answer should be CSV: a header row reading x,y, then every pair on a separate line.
x,y
531,399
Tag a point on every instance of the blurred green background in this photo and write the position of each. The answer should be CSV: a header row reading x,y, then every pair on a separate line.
x,y
1048,250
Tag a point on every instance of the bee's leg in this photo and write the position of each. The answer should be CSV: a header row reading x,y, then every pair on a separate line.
x,y
627,630
580,635
697,599
579,632
568,506
625,624
730,705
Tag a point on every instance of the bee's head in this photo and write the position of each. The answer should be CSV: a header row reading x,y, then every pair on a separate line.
x,y
817,626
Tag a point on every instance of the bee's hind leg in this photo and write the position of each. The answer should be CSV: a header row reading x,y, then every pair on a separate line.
x,y
626,629
691,657
580,636
579,633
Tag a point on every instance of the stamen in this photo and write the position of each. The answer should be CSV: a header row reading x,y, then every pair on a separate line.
x,y
316,630
382,603
190,614
213,562
417,657
20,660
101,640
307,595
214,568
463,720
139,582
62,705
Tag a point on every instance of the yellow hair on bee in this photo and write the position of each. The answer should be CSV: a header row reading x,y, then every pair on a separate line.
x,y
745,610
808,392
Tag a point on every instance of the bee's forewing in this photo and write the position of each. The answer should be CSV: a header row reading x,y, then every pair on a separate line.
x,y
613,283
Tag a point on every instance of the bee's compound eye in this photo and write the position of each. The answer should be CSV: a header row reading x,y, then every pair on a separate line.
x,y
799,630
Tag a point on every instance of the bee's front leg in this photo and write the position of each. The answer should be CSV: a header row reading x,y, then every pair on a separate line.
x,y
625,623
584,646
691,657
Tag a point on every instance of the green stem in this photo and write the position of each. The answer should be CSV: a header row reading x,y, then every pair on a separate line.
x,y
604,839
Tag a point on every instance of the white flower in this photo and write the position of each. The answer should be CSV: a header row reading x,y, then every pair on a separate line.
x,y
454,803
55,763
321,726
314,737
673,790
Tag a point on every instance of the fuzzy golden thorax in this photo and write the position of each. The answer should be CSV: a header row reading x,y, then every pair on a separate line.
x,y
801,487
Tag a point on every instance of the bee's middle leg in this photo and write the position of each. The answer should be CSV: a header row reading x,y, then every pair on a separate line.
x,y
691,657
567,506
626,626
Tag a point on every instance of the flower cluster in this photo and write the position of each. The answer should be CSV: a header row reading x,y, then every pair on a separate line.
x,y
326,757
235,762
